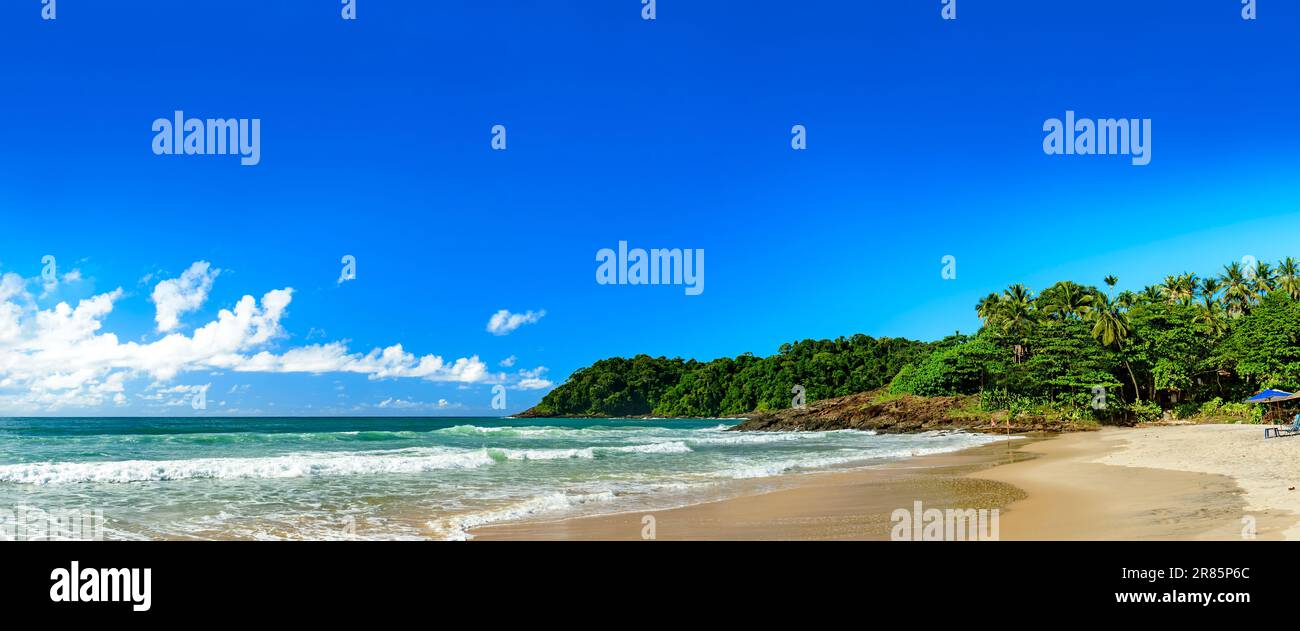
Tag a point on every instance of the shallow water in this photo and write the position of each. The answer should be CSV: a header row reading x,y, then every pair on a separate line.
x,y
397,478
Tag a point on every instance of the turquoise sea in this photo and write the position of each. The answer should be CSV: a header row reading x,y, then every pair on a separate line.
x,y
399,478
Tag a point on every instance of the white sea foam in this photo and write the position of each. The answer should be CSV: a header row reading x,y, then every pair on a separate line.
x,y
286,466
754,438
457,527
470,429
545,454
667,447
411,460
911,448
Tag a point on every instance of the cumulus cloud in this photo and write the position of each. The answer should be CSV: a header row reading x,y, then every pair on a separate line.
x,y
503,322
180,295
57,357
533,379
508,362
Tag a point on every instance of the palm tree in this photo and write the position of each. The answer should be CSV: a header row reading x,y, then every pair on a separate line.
x,y
1127,299
1264,279
1017,314
1237,291
1288,278
1110,281
1150,294
1169,289
1212,317
1178,289
1066,300
1187,284
1210,288
1110,326
987,307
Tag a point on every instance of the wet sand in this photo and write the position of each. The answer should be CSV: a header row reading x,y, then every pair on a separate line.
x,y
1046,488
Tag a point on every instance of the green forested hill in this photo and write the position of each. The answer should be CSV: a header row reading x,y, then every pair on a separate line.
x,y
728,386
1188,345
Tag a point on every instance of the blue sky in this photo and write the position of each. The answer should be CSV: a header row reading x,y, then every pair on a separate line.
x,y
924,140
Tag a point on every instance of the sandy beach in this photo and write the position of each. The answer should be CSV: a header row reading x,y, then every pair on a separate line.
x,y
1219,482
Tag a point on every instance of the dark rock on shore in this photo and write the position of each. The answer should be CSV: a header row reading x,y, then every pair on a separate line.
x,y
883,413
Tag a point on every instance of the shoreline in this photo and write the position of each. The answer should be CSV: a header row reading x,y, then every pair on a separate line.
x,y
810,505
1113,484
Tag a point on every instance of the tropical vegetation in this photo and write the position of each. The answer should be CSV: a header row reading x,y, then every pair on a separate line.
x,y
1185,346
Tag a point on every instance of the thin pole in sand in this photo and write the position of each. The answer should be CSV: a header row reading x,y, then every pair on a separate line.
x,y
1009,457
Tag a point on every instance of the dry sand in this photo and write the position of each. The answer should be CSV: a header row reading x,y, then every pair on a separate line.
x,y
1267,471
1193,482
1076,490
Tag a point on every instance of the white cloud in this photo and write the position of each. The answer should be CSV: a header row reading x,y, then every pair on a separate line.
x,y
378,363
406,404
60,357
180,295
532,379
503,322
508,362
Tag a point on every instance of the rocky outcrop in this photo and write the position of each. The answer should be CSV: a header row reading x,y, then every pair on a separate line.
x,y
896,414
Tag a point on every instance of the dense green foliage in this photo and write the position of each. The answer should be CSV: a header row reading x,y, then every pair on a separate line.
x,y
1186,346
675,387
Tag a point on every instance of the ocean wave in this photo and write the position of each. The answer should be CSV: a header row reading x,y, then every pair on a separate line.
x,y
240,438
456,528
531,431
669,447
470,430
410,460
286,466
769,469
957,442
543,454
736,438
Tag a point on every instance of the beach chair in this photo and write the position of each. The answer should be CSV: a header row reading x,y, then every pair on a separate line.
x,y
1278,432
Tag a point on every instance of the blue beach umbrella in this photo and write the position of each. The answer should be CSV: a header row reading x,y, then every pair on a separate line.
x,y
1269,396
